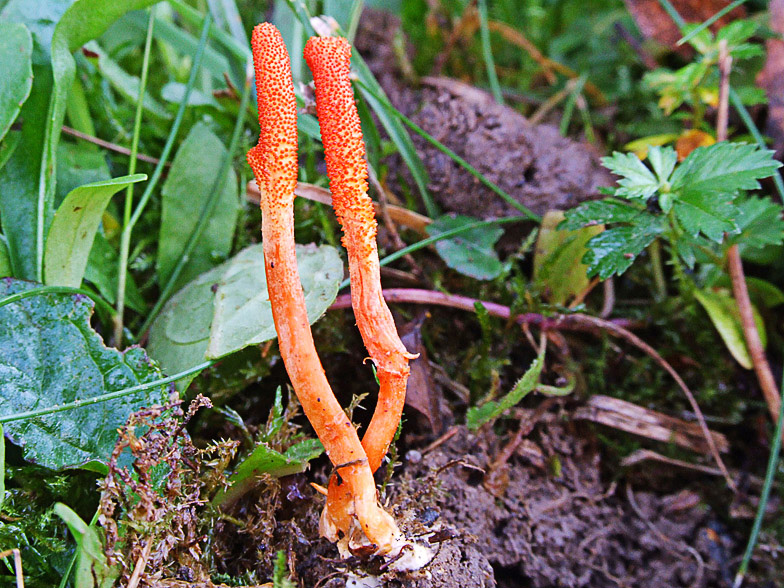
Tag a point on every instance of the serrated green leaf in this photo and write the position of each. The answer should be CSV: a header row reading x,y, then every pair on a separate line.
x,y
479,415
186,191
92,569
16,63
637,181
711,214
736,32
725,316
227,308
663,160
50,355
614,250
600,212
558,267
723,168
74,227
760,222
472,253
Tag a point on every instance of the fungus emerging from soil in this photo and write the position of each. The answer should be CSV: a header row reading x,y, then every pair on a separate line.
x,y
329,59
274,163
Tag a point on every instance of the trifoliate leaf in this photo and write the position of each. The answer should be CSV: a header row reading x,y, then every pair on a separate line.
x,y
599,212
614,250
711,214
50,355
723,168
663,160
637,181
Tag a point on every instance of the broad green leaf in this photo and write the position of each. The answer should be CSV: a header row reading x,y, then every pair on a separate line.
x,y
8,145
242,293
19,180
711,214
5,259
471,253
184,195
50,355
101,271
126,84
663,160
227,308
40,17
614,250
600,212
73,230
264,460
760,223
724,314
761,292
92,570
16,63
637,181
558,267
723,168
491,410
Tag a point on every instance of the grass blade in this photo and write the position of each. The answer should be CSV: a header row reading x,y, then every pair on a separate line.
x,y
487,53
709,22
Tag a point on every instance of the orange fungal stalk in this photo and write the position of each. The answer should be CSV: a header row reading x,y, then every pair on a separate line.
x,y
329,59
274,163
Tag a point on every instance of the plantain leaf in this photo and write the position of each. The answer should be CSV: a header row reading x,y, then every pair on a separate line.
x,y
50,355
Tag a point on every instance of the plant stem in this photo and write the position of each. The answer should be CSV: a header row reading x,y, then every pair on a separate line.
x,y
770,473
20,416
208,208
658,270
125,238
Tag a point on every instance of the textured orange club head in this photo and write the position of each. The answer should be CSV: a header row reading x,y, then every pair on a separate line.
x,y
329,59
274,159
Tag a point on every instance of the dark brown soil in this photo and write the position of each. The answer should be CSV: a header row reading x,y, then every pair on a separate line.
x,y
532,163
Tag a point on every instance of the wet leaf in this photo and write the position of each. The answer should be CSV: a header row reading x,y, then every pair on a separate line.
x,y
614,250
558,266
74,227
92,570
49,355
637,181
598,212
724,314
706,213
227,308
185,193
16,63
472,253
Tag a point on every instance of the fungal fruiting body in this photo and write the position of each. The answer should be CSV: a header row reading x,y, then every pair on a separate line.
x,y
329,60
274,164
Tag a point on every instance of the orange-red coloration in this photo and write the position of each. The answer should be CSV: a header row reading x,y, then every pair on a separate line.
x,y
329,59
274,163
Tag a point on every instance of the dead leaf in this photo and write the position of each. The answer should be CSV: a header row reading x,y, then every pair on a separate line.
x,y
421,394
654,22
690,140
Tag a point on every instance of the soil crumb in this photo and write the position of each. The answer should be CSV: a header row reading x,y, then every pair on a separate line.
x,y
533,163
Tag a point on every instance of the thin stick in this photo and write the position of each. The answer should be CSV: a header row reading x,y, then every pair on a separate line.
x,y
141,563
109,145
17,565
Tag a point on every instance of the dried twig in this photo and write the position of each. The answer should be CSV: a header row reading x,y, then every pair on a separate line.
x,y
108,145
17,565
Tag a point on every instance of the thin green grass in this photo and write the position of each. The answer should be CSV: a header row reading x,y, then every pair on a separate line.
x,y
487,53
